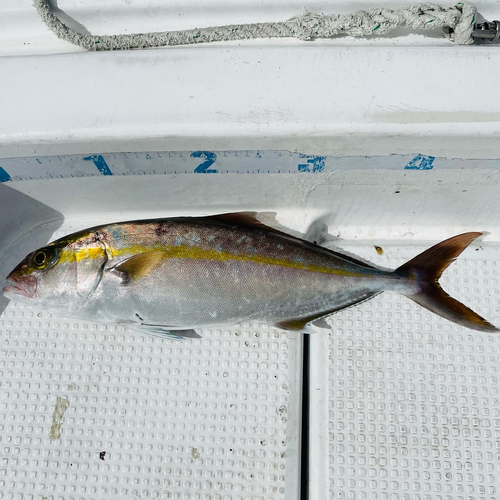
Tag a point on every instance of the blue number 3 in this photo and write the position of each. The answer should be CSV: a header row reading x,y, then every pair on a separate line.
x,y
203,168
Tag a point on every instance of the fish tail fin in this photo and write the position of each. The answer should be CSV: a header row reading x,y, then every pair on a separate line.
x,y
427,268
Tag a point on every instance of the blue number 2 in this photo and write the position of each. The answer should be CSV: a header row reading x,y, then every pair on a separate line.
x,y
209,157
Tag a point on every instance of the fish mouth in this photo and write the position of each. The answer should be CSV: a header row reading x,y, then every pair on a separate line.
x,y
25,286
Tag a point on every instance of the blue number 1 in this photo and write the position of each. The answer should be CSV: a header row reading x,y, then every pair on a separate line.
x,y
4,176
100,163
209,157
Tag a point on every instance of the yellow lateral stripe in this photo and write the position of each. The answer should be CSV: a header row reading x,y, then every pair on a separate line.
x,y
81,254
196,253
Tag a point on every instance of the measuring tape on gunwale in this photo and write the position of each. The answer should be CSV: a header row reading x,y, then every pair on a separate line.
x,y
215,162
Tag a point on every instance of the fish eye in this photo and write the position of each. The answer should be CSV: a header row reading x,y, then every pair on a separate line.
x,y
42,259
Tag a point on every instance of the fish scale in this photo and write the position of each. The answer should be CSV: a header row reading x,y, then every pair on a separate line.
x,y
202,283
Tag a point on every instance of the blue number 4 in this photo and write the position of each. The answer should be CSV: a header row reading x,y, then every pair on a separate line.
x,y
316,162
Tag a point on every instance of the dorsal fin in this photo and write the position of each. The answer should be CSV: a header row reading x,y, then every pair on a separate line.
x,y
248,219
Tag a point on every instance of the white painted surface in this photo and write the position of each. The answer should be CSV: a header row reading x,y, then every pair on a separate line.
x,y
343,98
146,418
412,400
319,98
22,33
396,210
217,417
254,98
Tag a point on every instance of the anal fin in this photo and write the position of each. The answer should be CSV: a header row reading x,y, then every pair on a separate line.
x,y
306,324
164,332
302,325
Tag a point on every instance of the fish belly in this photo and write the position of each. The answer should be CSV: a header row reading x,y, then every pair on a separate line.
x,y
194,293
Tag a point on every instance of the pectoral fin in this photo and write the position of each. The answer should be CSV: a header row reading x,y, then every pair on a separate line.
x,y
138,266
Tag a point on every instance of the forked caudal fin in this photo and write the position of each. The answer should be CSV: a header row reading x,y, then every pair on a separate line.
x,y
427,268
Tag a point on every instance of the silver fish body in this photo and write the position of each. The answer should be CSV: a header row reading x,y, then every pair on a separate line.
x,y
246,276
184,273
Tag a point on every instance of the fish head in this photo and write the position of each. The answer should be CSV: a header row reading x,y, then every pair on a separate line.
x,y
61,275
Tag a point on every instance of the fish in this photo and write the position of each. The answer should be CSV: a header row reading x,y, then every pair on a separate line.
x,y
173,276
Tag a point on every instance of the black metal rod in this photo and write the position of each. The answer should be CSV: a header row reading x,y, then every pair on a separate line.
x,y
306,395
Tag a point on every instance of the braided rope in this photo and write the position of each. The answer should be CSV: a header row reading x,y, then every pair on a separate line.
x,y
456,21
